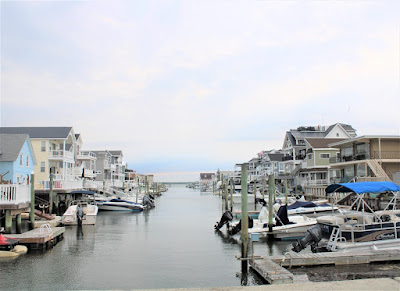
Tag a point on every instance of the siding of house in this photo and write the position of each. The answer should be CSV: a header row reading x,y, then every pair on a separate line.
x,y
386,146
4,167
23,171
41,157
323,162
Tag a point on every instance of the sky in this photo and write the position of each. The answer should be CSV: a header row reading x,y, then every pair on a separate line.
x,y
188,86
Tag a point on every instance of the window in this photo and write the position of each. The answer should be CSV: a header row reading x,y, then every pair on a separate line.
x,y
21,158
27,161
337,134
324,156
43,146
42,167
310,156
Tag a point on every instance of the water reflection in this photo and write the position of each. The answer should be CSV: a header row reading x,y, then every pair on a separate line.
x,y
226,238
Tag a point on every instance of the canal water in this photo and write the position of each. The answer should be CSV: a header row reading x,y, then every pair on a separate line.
x,y
171,246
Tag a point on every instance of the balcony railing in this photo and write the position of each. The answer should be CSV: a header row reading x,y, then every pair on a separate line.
x,y
61,154
365,156
87,155
15,194
318,182
59,185
386,155
290,158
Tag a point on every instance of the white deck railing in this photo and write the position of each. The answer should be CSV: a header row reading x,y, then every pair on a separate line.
x,y
88,184
15,194
60,154
59,185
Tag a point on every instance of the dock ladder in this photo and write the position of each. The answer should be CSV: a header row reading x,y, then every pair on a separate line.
x,y
333,239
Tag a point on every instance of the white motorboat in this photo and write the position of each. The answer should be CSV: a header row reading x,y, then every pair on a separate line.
x,y
117,204
292,227
363,229
80,213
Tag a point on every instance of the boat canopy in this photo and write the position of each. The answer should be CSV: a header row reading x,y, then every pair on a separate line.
x,y
363,187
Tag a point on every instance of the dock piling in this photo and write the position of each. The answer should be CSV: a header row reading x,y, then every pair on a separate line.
x,y
245,221
32,210
271,192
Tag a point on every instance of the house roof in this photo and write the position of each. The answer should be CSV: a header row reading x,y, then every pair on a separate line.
x,y
275,157
39,132
346,127
11,146
116,153
321,143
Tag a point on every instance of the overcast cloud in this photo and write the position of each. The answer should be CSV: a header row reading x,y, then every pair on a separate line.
x,y
199,85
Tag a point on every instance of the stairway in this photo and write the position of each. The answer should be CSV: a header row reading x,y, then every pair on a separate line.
x,y
377,169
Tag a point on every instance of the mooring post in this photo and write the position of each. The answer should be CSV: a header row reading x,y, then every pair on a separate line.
x,y
226,194
32,210
245,221
19,223
8,228
286,191
51,194
271,191
213,187
263,187
231,194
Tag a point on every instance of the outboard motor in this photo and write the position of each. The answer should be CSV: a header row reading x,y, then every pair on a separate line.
x,y
79,214
234,230
147,201
312,238
226,217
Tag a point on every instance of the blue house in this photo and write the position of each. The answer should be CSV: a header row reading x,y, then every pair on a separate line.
x,y
16,158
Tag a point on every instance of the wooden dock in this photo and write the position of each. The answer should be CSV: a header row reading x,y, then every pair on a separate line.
x,y
272,268
40,238
336,258
271,271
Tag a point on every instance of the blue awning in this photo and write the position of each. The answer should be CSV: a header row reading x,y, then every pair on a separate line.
x,y
363,187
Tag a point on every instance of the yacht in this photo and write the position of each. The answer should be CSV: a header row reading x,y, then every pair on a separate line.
x,y
117,204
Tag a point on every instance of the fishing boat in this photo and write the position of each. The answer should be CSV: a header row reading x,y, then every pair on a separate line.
x,y
117,204
360,228
80,212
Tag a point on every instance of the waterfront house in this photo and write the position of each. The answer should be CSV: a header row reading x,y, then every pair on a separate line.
x,y
368,158
54,149
103,166
117,168
294,144
17,159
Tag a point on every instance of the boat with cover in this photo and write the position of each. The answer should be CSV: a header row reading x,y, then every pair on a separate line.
x,y
117,204
285,227
362,229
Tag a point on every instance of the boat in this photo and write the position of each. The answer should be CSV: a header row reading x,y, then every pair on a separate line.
x,y
80,212
117,204
360,228
309,207
285,228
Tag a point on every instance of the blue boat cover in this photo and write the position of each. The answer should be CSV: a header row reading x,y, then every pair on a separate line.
x,y
298,204
363,187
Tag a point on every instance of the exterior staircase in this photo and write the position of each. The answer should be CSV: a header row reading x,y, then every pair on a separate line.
x,y
377,169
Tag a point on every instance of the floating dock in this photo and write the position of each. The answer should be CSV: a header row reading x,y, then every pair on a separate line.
x,y
40,238
273,271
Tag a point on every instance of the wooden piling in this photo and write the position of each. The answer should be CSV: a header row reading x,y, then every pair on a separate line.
x,y
32,210
271,191
286,190
226,194
8,226
264,182
231,180
51,194
245,221
19,223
